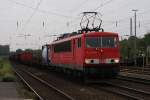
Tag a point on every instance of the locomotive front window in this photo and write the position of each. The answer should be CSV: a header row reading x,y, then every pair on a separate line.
x,y
108,42
101,42
91,42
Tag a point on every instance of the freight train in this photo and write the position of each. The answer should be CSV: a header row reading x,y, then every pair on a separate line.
x,y
89,53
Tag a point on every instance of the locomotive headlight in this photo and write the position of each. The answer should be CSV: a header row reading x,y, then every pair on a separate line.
x,y
92,61
116,60
87,61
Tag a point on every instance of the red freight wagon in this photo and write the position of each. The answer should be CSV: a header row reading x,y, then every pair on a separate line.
x,y
26,57
91,53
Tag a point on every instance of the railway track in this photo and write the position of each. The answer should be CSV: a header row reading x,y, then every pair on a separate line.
x,y
28,85
42,89
76,89
137,70
134,79
107,87
118,92
128,92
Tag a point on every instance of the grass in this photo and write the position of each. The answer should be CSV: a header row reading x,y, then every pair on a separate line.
x,y
24,91
6,73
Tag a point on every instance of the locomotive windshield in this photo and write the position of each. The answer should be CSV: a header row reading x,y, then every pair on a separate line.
x,y
101,42
92,42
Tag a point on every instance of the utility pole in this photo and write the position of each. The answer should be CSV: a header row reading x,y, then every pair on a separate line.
x,y
131,34
131,27
135,10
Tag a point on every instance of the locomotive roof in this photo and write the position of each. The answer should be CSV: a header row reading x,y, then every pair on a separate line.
x,y
86,34
102,34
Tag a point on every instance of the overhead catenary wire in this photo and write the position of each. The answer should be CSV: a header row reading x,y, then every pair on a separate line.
x,y
102,5
127,18
30,17
123,19
85,1
57,14
79,6
40,10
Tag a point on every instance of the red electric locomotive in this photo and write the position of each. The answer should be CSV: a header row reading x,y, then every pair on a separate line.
x,y
92,53
89,52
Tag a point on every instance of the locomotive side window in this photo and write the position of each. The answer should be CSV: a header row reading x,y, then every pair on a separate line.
x,y
63,47
79,42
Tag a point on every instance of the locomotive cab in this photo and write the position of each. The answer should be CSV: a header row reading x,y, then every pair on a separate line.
x,y
101,53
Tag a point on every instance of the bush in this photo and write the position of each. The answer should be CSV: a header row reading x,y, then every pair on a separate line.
x,y
1,63
6,69
6,73
8,78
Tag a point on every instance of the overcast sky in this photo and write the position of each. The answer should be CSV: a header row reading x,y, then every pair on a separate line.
x,y
25,17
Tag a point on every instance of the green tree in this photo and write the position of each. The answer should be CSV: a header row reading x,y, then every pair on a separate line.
x,y
128,49
19,50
